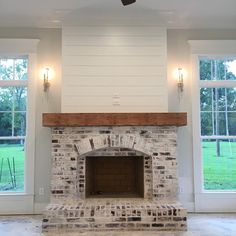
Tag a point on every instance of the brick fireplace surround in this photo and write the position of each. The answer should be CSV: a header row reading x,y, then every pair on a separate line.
x,y
78,136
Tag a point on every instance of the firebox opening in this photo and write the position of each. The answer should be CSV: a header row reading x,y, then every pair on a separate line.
x,y
114,176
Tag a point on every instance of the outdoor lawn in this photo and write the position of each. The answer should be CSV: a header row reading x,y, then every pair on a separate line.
x,y
12,178
219,172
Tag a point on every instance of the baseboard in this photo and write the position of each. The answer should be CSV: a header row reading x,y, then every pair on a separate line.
x,y
39,207
189,206
16,204
216,202
186,199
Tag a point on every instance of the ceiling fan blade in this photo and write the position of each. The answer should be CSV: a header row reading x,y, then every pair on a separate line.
x,y
128,2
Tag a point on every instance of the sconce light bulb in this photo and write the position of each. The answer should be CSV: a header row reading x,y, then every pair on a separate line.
x,y
180,80
46,83
46,73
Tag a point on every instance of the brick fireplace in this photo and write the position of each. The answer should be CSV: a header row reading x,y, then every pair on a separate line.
x,y
114,172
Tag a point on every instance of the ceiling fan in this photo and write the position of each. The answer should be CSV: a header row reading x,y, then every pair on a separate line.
x,y
128,2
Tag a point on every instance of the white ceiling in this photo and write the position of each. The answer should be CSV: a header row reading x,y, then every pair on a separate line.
x,y
169,13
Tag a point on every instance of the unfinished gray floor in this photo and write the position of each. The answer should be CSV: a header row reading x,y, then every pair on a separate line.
x,y
198,225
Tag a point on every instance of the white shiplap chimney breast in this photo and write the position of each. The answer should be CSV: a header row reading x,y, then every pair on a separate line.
x,y
114,69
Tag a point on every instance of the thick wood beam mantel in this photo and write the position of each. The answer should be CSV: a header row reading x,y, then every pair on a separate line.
x,y
114,119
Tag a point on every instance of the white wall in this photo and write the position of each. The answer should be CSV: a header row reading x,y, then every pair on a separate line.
x,y
114,69
49,53
178,55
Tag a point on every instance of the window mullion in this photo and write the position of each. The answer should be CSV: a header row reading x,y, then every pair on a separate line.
x,y
218,137
15,83
13,114
217,84
12,137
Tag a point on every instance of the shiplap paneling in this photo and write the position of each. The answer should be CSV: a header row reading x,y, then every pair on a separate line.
x,y
114,68
127,104
114,41
113,31
95,60
120,81
127,91
158,51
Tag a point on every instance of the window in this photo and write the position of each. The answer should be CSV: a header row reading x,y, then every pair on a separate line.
x,y
213,122
18,77
218,119
13,108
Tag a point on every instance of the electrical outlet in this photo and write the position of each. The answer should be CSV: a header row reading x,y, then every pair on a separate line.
x,y
41,191
180,190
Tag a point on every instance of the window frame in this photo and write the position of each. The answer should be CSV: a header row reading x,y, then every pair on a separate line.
x,y
207,200
23,202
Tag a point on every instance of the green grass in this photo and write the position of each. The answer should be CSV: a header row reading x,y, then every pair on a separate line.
x,y
7,152
219,172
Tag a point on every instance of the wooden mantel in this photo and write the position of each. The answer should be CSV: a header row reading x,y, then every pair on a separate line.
x,y
114,119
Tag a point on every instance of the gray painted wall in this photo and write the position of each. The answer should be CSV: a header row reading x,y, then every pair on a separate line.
x,y
178,53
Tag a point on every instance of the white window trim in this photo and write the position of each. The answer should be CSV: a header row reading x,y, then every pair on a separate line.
x,y
23,203
207,201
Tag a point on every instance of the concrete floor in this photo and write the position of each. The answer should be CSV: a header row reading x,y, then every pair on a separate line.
x,y
198,225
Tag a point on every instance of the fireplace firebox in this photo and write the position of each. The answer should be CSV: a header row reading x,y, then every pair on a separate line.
x,y
114,176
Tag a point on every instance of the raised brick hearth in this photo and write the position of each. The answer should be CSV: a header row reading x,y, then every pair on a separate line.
x,y
78,205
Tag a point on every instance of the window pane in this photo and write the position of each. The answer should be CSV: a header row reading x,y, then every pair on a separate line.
x,y
219,99
219,164
13,69
211,69
231,99
5,124
218,113
12,162
220,123
13,98
20,95
231,69
206,95
205,69
232,123
6,69
21,72
206,123
13,111
19,123
6,99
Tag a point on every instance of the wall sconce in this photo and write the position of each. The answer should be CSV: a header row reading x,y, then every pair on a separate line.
x,y
46,83
180,80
